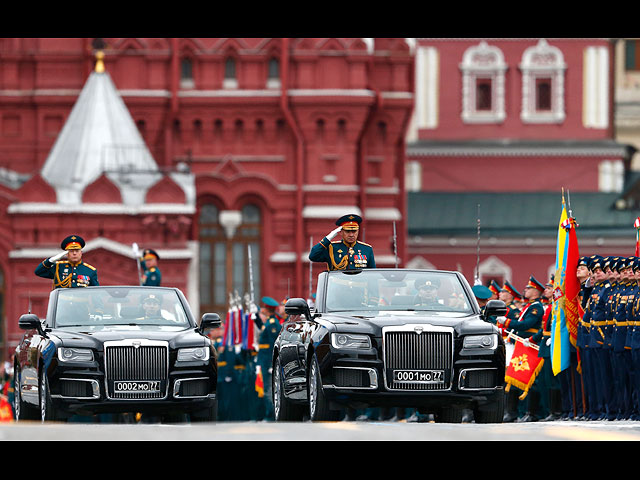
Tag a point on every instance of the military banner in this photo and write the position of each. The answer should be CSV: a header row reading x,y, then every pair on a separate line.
x,y
523,367
566,288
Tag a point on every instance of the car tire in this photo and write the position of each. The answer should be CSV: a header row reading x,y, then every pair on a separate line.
x,y
319,410
48,413
284,409
492,412
22,410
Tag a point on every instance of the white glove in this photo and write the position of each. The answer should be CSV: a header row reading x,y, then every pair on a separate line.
x,y
136,250
333,233
526,342
548,342
57,257
501,320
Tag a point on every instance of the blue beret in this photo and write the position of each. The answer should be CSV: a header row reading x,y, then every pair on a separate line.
x,y
269,302
481,292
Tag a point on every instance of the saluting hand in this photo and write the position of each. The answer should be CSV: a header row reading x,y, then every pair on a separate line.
x,y
333,233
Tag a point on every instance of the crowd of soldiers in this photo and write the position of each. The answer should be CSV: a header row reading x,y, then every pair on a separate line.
x,y
603,379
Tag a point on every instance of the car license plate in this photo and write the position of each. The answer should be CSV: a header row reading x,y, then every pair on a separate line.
x,y
418,376
136,387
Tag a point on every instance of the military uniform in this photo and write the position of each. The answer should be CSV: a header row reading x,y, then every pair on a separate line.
x,y
340,255
266,341
152,275
66,274
513,312
525,326
632,344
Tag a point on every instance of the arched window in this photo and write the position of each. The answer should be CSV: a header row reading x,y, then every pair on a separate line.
x,y
213,261
542,69
483,72
273,73
230,79
186,73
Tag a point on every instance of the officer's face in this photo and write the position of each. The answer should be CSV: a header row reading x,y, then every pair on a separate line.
x,y
151,308
582,272
427,292
151,262
349,236
505,296
74,255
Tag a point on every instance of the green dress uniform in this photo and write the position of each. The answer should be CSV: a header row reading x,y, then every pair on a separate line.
x,y
66,274
340,255
153,276
266,341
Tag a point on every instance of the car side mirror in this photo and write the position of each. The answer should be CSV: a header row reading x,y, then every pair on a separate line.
x,y
495,308
30,321
210,321
297,306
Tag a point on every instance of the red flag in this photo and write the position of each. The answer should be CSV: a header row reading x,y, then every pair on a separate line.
x,y
636,224
6,414
572,287
259,382
523,368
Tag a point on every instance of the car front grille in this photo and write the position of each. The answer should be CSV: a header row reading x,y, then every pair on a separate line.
x,y
422,351
142,366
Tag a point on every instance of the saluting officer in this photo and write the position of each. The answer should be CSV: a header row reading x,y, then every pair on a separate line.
x,y
72,272
348,253
149,263
508,294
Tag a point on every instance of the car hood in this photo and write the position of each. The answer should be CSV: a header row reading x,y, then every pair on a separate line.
x,y
95,336
373,322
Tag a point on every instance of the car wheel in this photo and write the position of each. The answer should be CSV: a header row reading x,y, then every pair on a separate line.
x,y
490,412
21,409
47,411
318,405
284,409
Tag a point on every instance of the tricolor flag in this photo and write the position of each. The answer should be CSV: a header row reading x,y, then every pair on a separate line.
x,y
566,288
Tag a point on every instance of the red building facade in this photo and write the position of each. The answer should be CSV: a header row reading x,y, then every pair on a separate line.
x,y
260,144
501,127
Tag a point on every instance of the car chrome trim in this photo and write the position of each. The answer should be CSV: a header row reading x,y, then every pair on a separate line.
x,y
95,388
136,343
373,379
417,329
464,371
176,387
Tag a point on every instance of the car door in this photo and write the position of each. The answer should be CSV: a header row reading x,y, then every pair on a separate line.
x,y
28,358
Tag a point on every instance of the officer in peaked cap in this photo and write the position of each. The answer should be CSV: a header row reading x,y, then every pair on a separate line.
x,y
495,289
71,272
427,292
527,324
152,277
266,341
348,253
508,294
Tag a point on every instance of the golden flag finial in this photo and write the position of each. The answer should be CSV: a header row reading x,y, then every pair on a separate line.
x,y
99,61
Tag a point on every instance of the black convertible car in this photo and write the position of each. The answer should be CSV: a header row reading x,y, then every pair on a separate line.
x,y
390,338
116,350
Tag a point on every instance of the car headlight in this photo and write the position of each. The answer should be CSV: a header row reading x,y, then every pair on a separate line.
x,y
195,354
70,355
350,340
481,341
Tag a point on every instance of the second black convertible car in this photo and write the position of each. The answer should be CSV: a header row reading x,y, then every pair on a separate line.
x,y
390,338
116,350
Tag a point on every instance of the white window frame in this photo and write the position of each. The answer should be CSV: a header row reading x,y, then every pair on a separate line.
x,y
542,61
483,61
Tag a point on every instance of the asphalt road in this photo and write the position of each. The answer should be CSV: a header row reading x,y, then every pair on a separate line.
x,y
329,431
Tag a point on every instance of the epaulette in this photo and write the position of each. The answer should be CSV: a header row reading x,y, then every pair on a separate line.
x,y
364,244
152,269
62,261
90,266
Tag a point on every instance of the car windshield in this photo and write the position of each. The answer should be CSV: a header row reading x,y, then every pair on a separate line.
x,y
79,307
393,290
